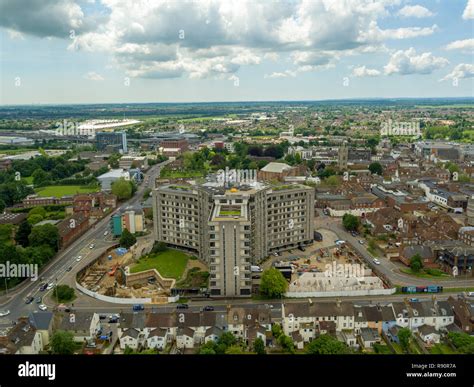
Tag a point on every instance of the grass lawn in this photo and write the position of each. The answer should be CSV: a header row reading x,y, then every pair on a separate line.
x,y
29,179
398,349
436,274
170,264
62,190
382,349
442,349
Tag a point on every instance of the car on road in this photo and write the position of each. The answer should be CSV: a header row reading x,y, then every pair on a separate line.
x,y
361,241
413,300
43,307
208,308
4,313
182,306
376,261
43,287
470,294
138,307
78,258
29,300
91,246
39,300
50,286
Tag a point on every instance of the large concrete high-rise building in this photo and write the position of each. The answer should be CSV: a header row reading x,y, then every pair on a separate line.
x,y
231,229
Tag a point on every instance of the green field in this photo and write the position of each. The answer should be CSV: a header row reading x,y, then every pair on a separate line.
x,y
169,264
62,190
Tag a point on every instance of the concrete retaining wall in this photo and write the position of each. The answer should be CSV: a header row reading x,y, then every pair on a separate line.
x,y
349,293
113,300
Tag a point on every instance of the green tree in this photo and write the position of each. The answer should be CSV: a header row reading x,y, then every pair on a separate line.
x,y
416,264
227,339
350,222
63,293
375,168
259,346
21,236
62,343
273,284
326,345
122,188
404,336
276,330
286,343
2,205
44,235
35,218
127,239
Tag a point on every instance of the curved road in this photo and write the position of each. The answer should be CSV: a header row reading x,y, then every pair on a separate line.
x,y
64,266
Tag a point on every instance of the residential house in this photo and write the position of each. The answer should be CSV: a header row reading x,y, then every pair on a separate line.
x,y
83,325
43,322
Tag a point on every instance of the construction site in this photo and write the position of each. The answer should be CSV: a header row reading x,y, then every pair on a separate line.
x,y
332,270
110,276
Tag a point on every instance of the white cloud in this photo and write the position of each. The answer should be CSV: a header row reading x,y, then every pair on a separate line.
x,y
212,38
463,70
375,34
408,62
93,76
363,71
285,74
416,11
464,45
469,10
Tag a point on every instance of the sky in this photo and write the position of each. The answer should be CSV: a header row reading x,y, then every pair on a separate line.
x,y
124,51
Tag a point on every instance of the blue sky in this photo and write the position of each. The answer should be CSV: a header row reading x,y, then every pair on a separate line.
x,y
86,51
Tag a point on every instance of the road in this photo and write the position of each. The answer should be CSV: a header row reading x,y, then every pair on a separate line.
x,y
64,266
389,268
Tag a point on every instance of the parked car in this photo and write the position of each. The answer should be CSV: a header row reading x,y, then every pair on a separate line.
x,y
182,306
301,248
91,246
113,320
78,258
29,300
376,261
102,316
43,307
361,241
50,286
208,308
106,233
69,268
4,313
43,287
39,300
